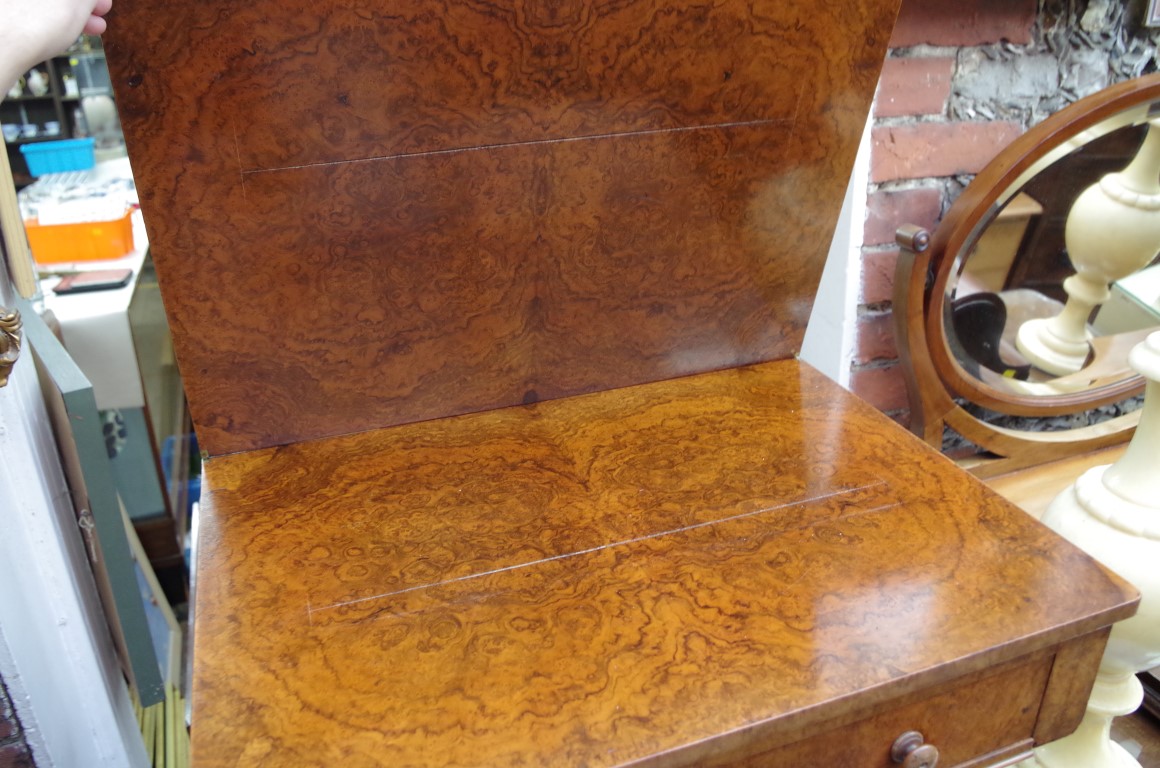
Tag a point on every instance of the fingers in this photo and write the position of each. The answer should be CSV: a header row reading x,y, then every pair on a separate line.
x,y
96,24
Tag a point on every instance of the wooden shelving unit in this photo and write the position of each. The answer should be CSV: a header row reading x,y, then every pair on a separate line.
x,y
61,104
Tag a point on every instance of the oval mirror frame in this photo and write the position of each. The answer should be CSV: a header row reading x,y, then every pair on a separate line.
x,y
954,239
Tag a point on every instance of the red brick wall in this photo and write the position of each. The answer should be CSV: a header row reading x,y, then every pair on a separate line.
x,y
14,752
918,152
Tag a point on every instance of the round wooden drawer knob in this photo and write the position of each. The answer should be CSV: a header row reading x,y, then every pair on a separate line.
x,y
909,750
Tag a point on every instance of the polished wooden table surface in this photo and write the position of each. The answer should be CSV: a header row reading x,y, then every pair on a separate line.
x,y
695,571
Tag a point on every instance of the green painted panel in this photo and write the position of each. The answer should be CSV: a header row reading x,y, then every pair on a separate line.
x,y
79,424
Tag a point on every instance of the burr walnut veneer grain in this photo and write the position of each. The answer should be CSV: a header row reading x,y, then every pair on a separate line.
x,y
378,214
717,569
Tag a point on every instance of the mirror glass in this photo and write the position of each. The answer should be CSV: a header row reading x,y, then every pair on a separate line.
x,y
1015,316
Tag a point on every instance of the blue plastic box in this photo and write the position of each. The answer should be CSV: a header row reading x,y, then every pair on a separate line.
x,y
58,156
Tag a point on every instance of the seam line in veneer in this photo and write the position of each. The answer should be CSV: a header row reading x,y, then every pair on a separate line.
x,y
516,144
238,154
310,611
797,108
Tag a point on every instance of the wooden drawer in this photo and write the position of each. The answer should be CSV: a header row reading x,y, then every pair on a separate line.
x,y
974,721
992,717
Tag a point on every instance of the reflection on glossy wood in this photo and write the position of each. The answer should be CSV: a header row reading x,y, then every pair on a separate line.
x,y
710,565
363,218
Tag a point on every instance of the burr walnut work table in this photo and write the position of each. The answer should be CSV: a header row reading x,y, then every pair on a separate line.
x,y
744,567
486,313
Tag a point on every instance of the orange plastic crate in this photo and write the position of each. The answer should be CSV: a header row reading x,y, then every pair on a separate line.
x,y
91,241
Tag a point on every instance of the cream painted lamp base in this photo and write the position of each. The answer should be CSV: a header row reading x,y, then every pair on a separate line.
x,y
1091,745
1113,514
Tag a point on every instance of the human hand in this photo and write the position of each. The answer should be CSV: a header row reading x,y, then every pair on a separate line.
x,y
34,30
96,22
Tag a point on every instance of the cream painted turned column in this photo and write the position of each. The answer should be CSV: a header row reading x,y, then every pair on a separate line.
x,y
1113,513
1113,230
